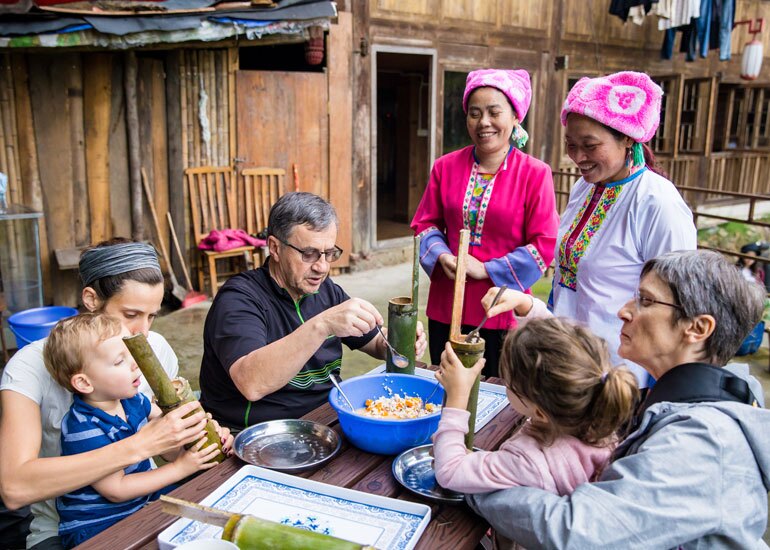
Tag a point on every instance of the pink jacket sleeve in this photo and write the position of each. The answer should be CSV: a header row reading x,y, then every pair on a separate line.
x,y
430,211
519,461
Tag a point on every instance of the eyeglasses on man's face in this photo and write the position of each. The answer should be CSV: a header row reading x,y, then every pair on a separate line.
x,y
312,255
645,301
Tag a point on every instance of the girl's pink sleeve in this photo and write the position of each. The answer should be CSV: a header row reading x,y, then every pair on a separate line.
x,y
481,471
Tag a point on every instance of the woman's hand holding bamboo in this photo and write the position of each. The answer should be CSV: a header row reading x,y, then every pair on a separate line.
x,y
475,269
448,263
456,379
224,435
421,343
169,432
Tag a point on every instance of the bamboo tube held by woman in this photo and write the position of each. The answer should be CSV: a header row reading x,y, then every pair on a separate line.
x,y
502,195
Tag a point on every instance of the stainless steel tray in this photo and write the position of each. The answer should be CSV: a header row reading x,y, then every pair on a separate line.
x,y
287,445
414,470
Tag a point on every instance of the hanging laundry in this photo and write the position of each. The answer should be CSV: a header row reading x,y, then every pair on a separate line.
x,y
621,8
722,28
681,13
637,14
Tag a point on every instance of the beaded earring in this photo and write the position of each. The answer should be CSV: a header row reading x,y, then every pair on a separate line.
x,y
519,136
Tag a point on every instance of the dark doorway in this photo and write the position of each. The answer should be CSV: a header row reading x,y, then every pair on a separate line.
x,y
403,138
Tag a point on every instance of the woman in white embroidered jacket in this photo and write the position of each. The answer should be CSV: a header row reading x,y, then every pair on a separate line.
x,y
621,212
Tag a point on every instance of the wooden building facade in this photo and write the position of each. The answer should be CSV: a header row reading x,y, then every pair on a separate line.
x,y
362,129
80,125
715,130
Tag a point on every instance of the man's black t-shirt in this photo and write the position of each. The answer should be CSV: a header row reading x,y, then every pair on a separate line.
x,y
251,311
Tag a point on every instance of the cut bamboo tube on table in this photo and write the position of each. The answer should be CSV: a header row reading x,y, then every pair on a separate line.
x,y
402,321
254,533
467,353
170,394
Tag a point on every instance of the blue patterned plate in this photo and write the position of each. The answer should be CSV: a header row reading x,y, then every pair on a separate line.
x,y
344,513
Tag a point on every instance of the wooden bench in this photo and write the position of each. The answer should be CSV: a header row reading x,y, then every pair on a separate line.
x,y
68,258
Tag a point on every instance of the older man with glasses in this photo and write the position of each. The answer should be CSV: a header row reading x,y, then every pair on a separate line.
x,y
273,336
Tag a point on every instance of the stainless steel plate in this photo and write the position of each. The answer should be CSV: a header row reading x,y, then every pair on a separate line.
x,y
414,470
287,445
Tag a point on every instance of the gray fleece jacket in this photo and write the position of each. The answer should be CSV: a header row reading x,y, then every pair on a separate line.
x,y
693,475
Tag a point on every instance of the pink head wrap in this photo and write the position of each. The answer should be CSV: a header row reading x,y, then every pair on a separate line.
x,y
628,102
514,85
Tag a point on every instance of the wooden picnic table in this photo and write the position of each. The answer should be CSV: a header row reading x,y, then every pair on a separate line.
x,y
451,526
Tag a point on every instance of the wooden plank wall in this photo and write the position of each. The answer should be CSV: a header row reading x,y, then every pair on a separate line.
x,y
204,105
64,144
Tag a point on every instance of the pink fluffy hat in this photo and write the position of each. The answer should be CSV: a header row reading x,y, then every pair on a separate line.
x,y
628,102
514,85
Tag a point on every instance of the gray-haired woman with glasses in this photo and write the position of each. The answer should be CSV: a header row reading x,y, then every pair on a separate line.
x,y
273,336
695,470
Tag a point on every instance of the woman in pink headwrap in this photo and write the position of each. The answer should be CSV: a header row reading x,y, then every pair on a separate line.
x,y
622,212
502,195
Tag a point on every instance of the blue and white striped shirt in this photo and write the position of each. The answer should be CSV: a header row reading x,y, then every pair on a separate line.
x,y
84,513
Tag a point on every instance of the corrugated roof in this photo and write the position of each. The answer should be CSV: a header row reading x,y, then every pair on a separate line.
x,y
129,23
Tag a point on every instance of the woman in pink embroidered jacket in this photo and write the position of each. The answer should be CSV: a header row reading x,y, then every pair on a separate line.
x,y
502,195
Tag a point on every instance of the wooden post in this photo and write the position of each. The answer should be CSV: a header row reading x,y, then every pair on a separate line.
x,y
97,94
459,295
132,130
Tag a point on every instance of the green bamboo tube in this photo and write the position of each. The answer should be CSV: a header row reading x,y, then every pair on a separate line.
x,y
416,272
169,393
253,533
402,332
469,354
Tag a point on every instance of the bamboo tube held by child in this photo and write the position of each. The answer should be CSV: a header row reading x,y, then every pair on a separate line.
x,y
468,352
169,393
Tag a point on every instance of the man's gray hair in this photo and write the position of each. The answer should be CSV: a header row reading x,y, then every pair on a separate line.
x,y
703,282
299,208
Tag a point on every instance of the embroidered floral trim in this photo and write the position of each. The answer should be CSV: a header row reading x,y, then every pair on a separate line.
x,y
430,229
535,253
478,228
569,264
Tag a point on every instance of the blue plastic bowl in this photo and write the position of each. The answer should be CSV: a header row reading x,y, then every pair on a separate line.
x,y
33,324
383,436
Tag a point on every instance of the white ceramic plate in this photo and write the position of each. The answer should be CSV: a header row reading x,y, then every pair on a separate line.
x,y
344,513
492,397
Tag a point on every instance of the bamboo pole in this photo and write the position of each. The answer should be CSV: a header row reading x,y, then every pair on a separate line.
x,y
416,272
468,353
132,131
459,295
183,107
170,394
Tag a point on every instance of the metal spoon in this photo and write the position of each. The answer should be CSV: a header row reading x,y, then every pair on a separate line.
x,y
474,334
398,360
432,393
342,393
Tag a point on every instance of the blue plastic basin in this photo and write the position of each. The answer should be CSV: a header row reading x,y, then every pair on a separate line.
x,y
33,324
384,436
